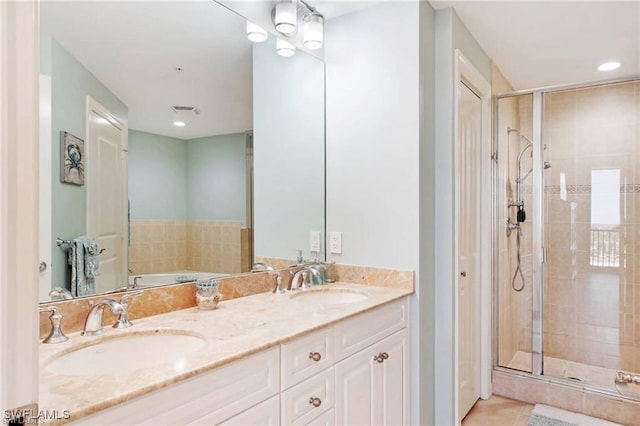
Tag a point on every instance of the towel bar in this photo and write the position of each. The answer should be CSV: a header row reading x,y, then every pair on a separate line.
x,y
60,242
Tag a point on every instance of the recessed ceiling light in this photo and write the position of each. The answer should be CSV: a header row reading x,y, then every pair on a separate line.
x,y
609,66
179,123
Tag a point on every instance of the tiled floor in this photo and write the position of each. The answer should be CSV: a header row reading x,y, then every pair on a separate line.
x,y
498,411
568,369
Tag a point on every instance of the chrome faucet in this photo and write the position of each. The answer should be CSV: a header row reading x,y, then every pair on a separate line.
x,y
265,267
295,280
59,291
135,282
93,324
56,335
123,320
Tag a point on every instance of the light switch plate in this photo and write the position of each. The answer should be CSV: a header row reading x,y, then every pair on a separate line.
x,y
335,242
314,241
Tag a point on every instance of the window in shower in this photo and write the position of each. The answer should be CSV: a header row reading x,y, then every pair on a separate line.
x,y
605,218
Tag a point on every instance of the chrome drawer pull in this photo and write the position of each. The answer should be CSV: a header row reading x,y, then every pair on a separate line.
x,y
381,357
315,356
316,402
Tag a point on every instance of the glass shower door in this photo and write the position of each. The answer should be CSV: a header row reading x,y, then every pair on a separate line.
x,y
514,232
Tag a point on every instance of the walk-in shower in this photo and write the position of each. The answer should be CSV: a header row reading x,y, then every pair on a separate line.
x,y
567,237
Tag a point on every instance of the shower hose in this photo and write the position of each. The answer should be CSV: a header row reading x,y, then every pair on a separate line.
x,y
518,269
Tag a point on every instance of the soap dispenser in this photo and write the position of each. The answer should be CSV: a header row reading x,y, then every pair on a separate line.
x,y
319,266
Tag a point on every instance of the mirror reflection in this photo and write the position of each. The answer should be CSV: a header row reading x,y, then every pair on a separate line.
x,y
162,101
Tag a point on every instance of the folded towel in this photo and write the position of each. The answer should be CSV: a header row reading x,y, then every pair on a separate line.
x,y
85,265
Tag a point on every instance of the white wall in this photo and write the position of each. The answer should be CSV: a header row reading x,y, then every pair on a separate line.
x,y
288,146
372,103
379,111
451,34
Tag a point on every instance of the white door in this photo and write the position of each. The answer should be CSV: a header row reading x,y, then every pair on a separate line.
x,y
469,279
106,194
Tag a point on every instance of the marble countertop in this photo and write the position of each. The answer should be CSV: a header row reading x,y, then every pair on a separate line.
x,y
238,328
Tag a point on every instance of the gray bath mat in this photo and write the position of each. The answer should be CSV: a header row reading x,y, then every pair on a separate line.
x,y
538,420
544,415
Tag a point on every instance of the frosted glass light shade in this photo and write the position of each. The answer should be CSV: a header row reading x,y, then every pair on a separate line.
x,y
255,33
284,48
313,27
285,18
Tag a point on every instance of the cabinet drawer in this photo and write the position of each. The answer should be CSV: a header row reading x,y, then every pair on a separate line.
x,y
298,402
357,333
306,356
208,398
324,419
266,413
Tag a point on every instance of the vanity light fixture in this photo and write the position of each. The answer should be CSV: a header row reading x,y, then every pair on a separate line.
x,y
179,123
284,48
313,30
256,33
609,66
285,17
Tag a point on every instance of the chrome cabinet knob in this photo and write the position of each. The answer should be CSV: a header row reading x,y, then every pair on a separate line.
x,y
381,357
463,274
315,356
316,402
43,266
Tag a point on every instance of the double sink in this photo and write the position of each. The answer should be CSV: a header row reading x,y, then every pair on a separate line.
x,y
127,353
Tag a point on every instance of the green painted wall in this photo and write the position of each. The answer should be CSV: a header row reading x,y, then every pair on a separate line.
x,y
196,179
157,176
71,83
216,178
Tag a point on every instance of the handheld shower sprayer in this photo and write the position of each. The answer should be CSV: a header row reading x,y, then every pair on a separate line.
x,y
521,215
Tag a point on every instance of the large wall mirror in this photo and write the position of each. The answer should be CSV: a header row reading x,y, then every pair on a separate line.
x,y
173,143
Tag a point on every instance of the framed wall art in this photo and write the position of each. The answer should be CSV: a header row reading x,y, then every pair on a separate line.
x,y
72,159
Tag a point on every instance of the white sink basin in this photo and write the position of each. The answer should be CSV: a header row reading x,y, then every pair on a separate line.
x,y
329,297
126,354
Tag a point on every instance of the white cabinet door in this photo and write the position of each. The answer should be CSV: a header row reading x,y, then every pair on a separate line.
x,y
391,380
266,413
372,386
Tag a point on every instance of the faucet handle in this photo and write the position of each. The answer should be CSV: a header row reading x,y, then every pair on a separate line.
x,y
125,297
123,320
56,335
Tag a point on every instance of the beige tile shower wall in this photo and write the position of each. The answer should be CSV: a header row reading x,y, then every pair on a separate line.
x,y
172,245
214,246
158,246
592,313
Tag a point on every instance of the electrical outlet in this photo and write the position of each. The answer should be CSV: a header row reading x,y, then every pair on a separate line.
x,y
335,242
314,241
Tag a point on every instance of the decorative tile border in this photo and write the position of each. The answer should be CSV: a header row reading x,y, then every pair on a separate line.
x,y
631,188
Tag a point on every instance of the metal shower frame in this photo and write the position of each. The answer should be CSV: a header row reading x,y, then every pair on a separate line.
x,y
536,219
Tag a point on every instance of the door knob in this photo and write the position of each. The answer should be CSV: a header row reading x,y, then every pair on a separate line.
x,y
463,274
43,266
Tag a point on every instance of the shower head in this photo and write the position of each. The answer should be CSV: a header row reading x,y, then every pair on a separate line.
x,y
520,179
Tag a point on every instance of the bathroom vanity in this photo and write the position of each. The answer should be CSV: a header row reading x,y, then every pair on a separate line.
x,y
331,355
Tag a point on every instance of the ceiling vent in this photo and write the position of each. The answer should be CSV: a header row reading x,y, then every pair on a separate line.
x,y
185,110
